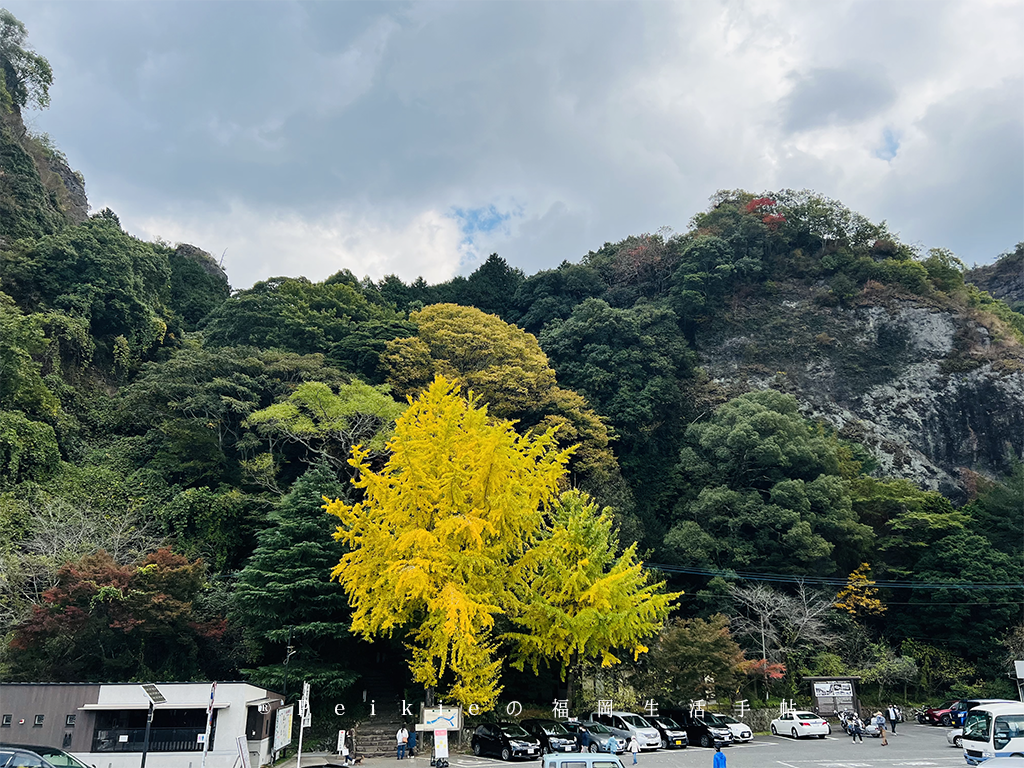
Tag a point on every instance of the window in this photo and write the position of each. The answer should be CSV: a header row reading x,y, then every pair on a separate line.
x,y
70,721
6,721
38,722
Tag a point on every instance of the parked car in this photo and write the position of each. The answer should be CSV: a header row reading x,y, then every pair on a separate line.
x,y
580,761
54,756
507,740
740,731
703,728
952,713
594,737
628,725
955,737
11,757
800,724
673,735
553,736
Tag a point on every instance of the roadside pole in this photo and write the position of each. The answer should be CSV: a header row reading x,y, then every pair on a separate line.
x,y
307,720
209,723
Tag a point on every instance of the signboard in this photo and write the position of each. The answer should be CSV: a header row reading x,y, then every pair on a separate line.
x,y
243,751
283,728
441,743
434,718
833,688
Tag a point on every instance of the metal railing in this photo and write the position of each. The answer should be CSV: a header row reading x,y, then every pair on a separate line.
x,y
160,739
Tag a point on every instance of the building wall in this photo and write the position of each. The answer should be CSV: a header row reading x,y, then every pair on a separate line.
x,y
55,701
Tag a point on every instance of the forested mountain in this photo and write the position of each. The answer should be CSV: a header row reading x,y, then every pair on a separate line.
x,y
783,391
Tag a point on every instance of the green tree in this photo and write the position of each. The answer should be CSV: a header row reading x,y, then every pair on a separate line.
x,y
438,528
284,594
692,655
27,75
581,599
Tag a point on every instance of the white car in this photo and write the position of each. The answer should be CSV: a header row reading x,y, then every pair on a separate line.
x,y
955,737
740,731
798,724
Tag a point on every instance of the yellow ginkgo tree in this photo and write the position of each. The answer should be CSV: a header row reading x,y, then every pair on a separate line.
x,y
432,541
463,524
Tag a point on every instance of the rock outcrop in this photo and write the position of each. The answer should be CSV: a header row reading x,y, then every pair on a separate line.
x,y
934,393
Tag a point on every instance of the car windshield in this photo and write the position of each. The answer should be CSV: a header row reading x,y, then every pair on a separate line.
x,y
511,729
666,722
636,721
595,728
553,729
728,719
977,725
711,719
805,715
59,759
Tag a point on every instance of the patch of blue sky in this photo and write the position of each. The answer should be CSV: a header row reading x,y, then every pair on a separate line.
x,y
890,145
474,221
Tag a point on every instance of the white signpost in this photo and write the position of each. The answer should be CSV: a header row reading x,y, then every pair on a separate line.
x,y
283,728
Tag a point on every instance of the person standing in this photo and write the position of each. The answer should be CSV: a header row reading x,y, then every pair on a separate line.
x,y
856,731
634,747
613,745
719,761
893,718
410,744
880,722
401,738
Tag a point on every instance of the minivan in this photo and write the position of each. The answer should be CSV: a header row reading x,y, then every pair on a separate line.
x,y
580,760
629,724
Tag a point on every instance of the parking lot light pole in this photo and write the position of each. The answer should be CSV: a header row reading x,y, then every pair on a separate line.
x,y
155,697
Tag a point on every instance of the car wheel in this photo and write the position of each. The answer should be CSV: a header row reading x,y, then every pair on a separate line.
x,y
946,720
706,741
821,735
795,734
774,732
506,754
664,743
477,750
593,748
958,741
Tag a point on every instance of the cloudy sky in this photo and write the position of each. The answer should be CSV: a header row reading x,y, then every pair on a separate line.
x,y
416,138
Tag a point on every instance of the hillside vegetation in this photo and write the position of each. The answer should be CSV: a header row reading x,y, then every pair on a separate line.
x,y
779,401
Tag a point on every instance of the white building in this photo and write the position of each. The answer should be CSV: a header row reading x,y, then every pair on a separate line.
x,y
104,724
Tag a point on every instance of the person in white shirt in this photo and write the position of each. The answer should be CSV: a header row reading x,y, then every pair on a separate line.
x,y
402,737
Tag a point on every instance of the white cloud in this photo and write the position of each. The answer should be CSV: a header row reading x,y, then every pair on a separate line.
x,y
257,244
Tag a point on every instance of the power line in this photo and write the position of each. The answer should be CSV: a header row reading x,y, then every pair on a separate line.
x,y
831,581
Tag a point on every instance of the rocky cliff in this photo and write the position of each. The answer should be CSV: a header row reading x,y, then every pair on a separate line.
x,y
935,392
1004,279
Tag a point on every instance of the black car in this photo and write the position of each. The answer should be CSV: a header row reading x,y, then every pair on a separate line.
x,y
507,740
673,735
594,737
702,728
552,735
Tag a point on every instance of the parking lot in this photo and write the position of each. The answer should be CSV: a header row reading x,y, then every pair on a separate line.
x,y
921,746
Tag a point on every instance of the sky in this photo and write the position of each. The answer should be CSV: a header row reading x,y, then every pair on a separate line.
x,y
294,138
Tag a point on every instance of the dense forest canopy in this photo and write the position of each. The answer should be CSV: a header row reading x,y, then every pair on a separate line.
x,y
166,445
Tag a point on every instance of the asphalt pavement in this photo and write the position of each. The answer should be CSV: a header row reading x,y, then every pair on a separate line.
x,y
914,746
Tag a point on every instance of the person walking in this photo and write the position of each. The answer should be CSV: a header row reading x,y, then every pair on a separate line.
x,y
856,730
894,718
410,744
880,722
613,745
719,761
401,738
634,747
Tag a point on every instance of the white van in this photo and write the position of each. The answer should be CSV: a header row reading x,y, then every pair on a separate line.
x,y
580,760
628,725
993,730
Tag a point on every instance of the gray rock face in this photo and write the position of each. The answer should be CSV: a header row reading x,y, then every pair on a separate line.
x,y
76,206
923,389
1004,279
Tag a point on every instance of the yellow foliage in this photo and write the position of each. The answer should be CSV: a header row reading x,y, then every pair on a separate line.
x,y
858,597
457,504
